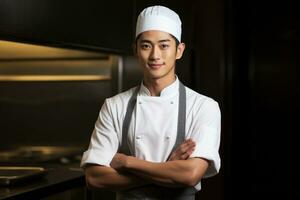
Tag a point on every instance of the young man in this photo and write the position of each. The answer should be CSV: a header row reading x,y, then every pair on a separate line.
x,y
157,140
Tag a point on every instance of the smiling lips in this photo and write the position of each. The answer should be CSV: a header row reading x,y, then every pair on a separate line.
x,y
155,65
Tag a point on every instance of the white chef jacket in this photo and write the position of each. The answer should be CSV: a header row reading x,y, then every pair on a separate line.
x,y
153,128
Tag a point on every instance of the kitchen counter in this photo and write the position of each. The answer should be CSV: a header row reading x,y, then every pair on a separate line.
x,y
57,179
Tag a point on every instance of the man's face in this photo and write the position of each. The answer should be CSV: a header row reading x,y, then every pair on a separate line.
x,y
157,53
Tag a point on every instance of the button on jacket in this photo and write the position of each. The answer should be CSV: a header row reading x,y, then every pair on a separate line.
x,y
153,128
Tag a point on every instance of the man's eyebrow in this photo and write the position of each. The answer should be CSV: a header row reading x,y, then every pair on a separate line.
x,y
148,41
165,40
145,41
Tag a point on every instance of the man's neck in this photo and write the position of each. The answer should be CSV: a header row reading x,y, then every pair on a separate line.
x,y
155,86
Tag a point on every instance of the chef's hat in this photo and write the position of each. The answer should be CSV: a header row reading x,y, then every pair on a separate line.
x,y
159,18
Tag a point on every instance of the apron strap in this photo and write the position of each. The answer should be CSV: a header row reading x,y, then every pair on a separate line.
x,y
181,117
124,148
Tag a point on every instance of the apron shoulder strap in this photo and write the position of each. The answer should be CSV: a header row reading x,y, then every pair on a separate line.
x,y
124,148
181,117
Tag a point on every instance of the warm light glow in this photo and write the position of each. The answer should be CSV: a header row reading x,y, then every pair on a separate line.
x,y
53,78
28,62
17,50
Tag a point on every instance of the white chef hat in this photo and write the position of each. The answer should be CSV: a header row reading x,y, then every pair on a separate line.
x,y
159,18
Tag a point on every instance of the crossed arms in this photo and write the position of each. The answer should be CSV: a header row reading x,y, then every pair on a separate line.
x,y
127,171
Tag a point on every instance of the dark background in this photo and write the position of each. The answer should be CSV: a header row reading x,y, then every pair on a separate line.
x,y
241,53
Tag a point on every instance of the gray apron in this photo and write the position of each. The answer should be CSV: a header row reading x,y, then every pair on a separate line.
x,y
155,192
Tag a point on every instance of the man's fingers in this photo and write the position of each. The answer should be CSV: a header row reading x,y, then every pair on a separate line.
x,y
184,151
187,154
185,146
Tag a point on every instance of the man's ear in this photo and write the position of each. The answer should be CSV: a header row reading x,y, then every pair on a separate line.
x,y
180,50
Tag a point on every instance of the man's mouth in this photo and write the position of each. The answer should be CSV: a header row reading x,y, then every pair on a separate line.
x,y
155,65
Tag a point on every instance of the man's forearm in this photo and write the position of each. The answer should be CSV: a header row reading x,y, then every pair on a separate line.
x,y
170,173
155,178
98,177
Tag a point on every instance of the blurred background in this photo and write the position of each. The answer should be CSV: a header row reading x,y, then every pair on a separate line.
x,y
59,60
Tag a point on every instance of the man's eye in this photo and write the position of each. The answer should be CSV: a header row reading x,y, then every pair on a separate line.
x,y
145,46
164,46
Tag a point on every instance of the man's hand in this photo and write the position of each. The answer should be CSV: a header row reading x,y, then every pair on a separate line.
x,y
119,161
184,151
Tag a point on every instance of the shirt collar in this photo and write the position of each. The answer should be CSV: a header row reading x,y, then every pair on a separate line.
x,y
167,91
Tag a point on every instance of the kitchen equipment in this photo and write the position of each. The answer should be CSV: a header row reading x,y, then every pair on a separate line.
x,y
39,154
11,175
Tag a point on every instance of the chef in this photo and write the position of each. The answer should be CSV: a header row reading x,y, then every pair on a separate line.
x,y
159,139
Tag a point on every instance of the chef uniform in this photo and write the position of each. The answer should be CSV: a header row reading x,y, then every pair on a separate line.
x,y
153,128
151,124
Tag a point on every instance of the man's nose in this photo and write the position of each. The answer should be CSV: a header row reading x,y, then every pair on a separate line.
x,y
155,53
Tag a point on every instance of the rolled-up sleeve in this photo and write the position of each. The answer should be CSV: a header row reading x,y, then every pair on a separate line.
x,y
206,131
104,141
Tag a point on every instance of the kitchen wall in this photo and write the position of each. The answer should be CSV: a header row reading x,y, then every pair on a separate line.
x,y
262,58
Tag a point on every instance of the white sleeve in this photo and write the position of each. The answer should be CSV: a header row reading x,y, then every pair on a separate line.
x,y
104,141
206,132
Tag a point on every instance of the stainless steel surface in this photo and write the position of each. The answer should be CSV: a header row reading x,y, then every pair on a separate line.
x,y
132,72
10,175
116,73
